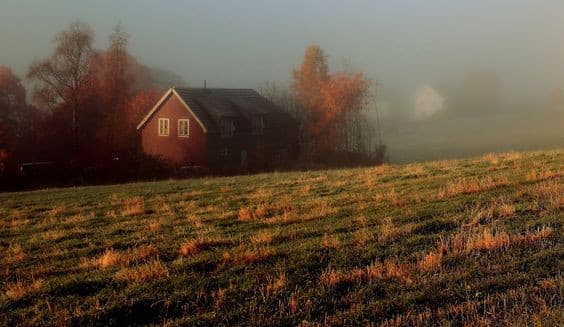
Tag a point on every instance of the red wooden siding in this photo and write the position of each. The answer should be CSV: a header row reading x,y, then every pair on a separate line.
x,y
177,150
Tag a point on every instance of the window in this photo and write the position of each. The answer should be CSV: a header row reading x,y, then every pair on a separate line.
x,y
227,127
164,126
183,127
258,125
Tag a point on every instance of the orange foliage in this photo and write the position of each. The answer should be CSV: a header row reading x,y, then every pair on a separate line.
x,y
328,98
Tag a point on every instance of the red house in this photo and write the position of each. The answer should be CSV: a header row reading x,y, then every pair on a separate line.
x,y
219,128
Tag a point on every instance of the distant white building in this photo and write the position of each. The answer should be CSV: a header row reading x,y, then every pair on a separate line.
x,y
428,102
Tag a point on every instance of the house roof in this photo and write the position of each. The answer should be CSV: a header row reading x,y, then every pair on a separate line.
x,y
210,105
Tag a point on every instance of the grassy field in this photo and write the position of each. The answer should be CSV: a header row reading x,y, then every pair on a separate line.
x,y
476,241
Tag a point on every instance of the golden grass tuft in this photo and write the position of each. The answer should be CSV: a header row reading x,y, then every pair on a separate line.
x,y
376,270
53,234
196,245
531,237
195,221
396,270
245,214
263,237
144,272
387,230
333,277
274,285
543,174
472,185
250,256
154,225
109,258
431,261
253,213
14,254
331,242
18,290
488,241
363,236
144,252
134,206
111,214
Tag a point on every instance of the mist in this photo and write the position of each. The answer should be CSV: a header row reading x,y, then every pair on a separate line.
x,y
498,66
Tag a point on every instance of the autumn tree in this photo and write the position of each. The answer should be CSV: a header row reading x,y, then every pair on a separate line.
x,y
339,125
332,102
61,79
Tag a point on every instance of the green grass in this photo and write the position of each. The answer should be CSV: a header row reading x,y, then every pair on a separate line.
x,y
476,241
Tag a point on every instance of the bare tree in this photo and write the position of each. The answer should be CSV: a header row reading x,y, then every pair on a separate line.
x,y
63,77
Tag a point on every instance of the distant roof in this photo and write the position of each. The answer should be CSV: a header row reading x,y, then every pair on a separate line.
x,y
210,105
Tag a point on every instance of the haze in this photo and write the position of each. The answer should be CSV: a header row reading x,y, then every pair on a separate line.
x,y
402,45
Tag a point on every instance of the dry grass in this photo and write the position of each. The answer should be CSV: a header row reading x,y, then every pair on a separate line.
x,y
245,214
143,252
490,241
531,237
472,185
376,270
250,256
363,236
144,272
154,225
110,258
548,195
431,261
218,298
53,234
263,237
134,206
331,242
14,254
542,174
194,246
274,285
387,230
195,221
18,290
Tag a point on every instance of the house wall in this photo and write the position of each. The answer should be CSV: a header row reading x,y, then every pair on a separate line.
x,y
262,151
177,150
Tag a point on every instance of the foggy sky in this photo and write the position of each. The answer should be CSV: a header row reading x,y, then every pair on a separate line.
x,y
400,44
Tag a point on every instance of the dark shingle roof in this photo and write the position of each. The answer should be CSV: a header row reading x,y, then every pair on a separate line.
x,y
212,105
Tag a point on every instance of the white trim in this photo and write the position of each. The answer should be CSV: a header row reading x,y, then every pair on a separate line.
x,y
167,120
187,127
190,110
156,107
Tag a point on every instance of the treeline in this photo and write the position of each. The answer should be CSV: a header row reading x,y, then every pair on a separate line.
x,y
78,122
84,105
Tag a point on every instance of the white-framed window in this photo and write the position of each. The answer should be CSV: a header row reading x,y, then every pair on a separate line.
x,y
227,127
257,125
183,127
164,126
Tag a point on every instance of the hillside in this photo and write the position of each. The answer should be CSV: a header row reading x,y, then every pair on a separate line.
x,y
476,241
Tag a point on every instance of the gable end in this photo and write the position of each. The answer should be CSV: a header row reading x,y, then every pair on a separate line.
x,y
163,100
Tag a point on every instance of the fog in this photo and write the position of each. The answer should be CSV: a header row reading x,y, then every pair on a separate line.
x,y
496,65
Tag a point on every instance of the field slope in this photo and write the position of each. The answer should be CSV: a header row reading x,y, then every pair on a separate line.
x,y
476,241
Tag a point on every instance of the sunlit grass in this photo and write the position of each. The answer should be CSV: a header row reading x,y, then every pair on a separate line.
x,y
462,242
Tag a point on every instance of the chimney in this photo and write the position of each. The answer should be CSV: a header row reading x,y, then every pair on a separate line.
x,y
204,84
